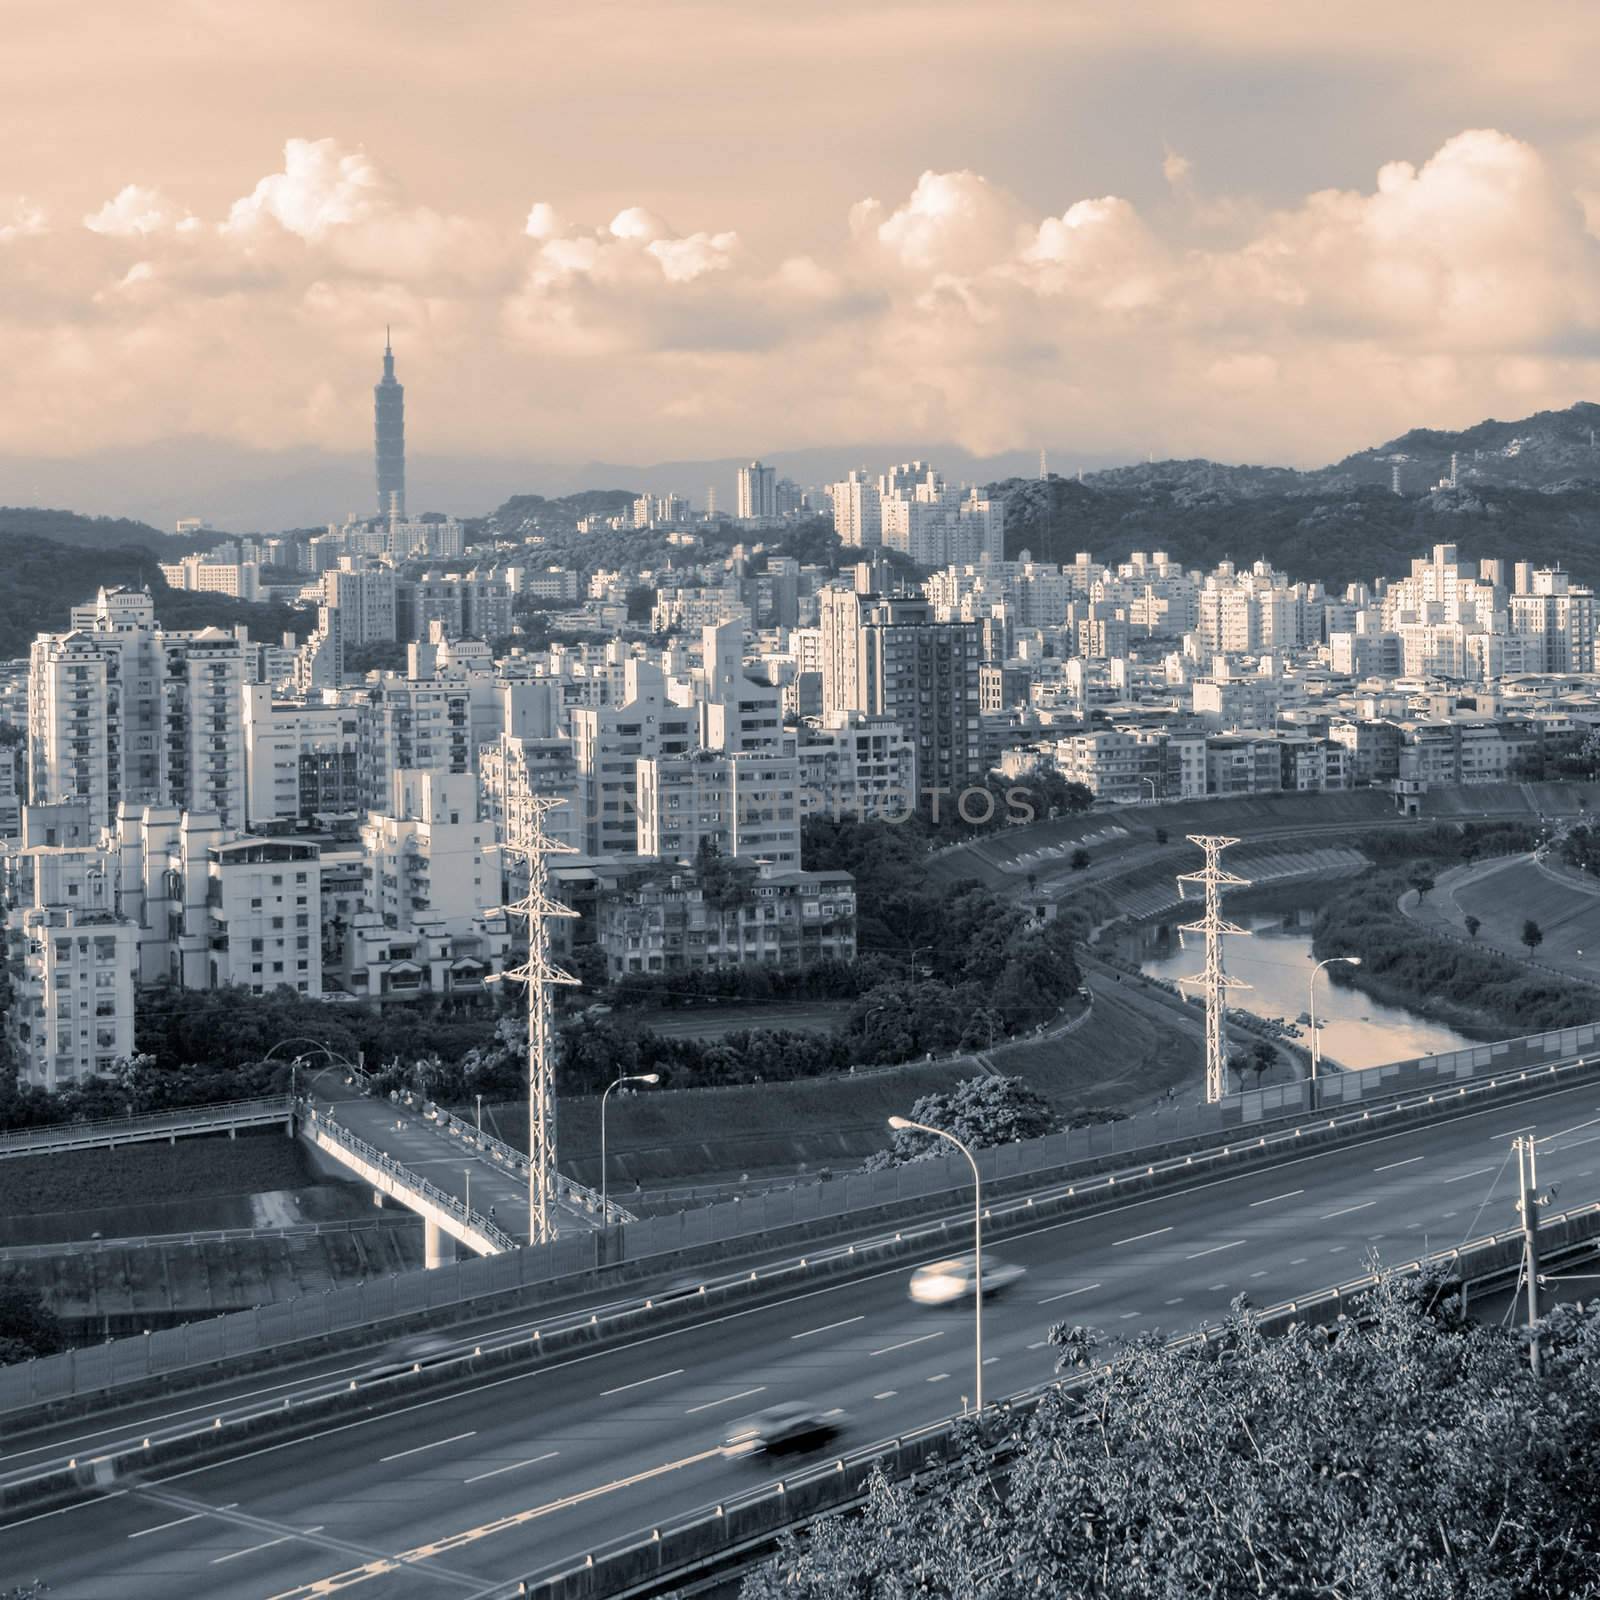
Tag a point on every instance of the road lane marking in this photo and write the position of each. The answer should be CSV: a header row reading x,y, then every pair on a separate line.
x,y
1525,1128
1154,1233
1215,1249
743,1394
194,1516
1444,1124
828,1327
512,1467
1067,1294
381,1566
660,1377
417,1449
1335,1249
905,1344
1211,1288
1126,1315
989,1361
1299,1261
1177,1302
938,1377
1288,1194
888,1394
233,1555
1389,1166
1365,1204
1261,1274
1038,1344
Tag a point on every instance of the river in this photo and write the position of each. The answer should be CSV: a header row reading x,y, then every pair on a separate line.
x,y
1276,961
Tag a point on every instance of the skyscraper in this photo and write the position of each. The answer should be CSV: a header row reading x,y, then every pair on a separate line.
x,y
757,492
389,419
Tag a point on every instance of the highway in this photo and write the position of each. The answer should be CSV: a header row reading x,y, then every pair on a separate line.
x,y
459,1494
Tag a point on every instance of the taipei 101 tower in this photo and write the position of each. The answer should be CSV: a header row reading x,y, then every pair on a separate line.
x,y
389,417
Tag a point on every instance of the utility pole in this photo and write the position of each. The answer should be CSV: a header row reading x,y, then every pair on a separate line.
x,y
539,973
1528,1205
1213,981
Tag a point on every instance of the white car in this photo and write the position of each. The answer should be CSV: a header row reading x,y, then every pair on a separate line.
x,y
942,1283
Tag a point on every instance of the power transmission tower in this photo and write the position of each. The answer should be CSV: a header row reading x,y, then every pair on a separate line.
x,y
1528,1205
539,973
1213,981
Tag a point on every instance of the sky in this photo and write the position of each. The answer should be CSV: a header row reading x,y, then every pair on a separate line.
x,y
708,228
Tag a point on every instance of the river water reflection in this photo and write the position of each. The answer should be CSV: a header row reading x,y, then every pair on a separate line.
x,y
1277,963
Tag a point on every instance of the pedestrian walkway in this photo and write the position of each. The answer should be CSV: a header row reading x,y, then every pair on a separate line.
x,y
487,1176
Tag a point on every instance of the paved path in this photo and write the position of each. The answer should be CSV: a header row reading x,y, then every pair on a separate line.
x,y
417,1142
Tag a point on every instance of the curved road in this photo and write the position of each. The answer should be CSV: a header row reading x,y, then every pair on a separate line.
x,y
461,1494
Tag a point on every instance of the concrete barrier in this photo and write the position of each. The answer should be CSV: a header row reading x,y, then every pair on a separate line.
x,y
715,1538
518,1279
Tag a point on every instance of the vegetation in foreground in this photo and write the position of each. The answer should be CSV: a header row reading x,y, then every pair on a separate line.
x,y
1409,1455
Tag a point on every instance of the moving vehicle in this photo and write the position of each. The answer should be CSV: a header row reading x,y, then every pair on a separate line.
x,y
420,1350
790,1426
943,1283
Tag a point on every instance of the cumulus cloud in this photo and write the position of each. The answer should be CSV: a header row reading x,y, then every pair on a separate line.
x,y
1450,287
1175,168
134,211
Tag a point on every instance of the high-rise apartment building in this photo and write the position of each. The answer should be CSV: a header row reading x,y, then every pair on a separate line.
x,y
891,658
757,493
364,597
389,431
858,511
120,710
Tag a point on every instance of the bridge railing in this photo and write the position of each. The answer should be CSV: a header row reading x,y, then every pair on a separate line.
x,y
405,1178
704,1541
155,1124
1089,1153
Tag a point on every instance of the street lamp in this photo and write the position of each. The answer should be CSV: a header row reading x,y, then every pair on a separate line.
x,y
630,1077
1155,793
900,1124
1311,1011
911,960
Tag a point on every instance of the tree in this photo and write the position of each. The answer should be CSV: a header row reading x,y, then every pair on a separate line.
x,y
1080,859
1422,882
1409,1453
978,1111
28,1328
1162,836
1473,924
1532,935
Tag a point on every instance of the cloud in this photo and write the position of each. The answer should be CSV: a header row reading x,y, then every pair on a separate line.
x,y
1444,289
135,211
1175,168
22,219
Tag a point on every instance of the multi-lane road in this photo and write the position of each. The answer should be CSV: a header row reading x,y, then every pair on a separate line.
x,y
456,1495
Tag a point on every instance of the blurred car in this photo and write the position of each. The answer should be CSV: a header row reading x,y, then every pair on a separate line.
x,y
942,1283
420,1350
791,1426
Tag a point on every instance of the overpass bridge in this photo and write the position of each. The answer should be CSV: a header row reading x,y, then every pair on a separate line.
x,y
469,1188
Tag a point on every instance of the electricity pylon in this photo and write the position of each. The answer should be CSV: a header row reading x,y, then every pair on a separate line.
x,y
539,973
1213,981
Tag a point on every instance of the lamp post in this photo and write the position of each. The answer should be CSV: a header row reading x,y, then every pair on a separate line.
x,y
901,1123
630,1077
1311,1011
1155,793
911,960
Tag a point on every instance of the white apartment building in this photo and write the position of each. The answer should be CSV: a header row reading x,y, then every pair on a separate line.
x,y
364,597
857,512
757,493
73,959
203,575
855,765
303,758
609,742
744,803
122,710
